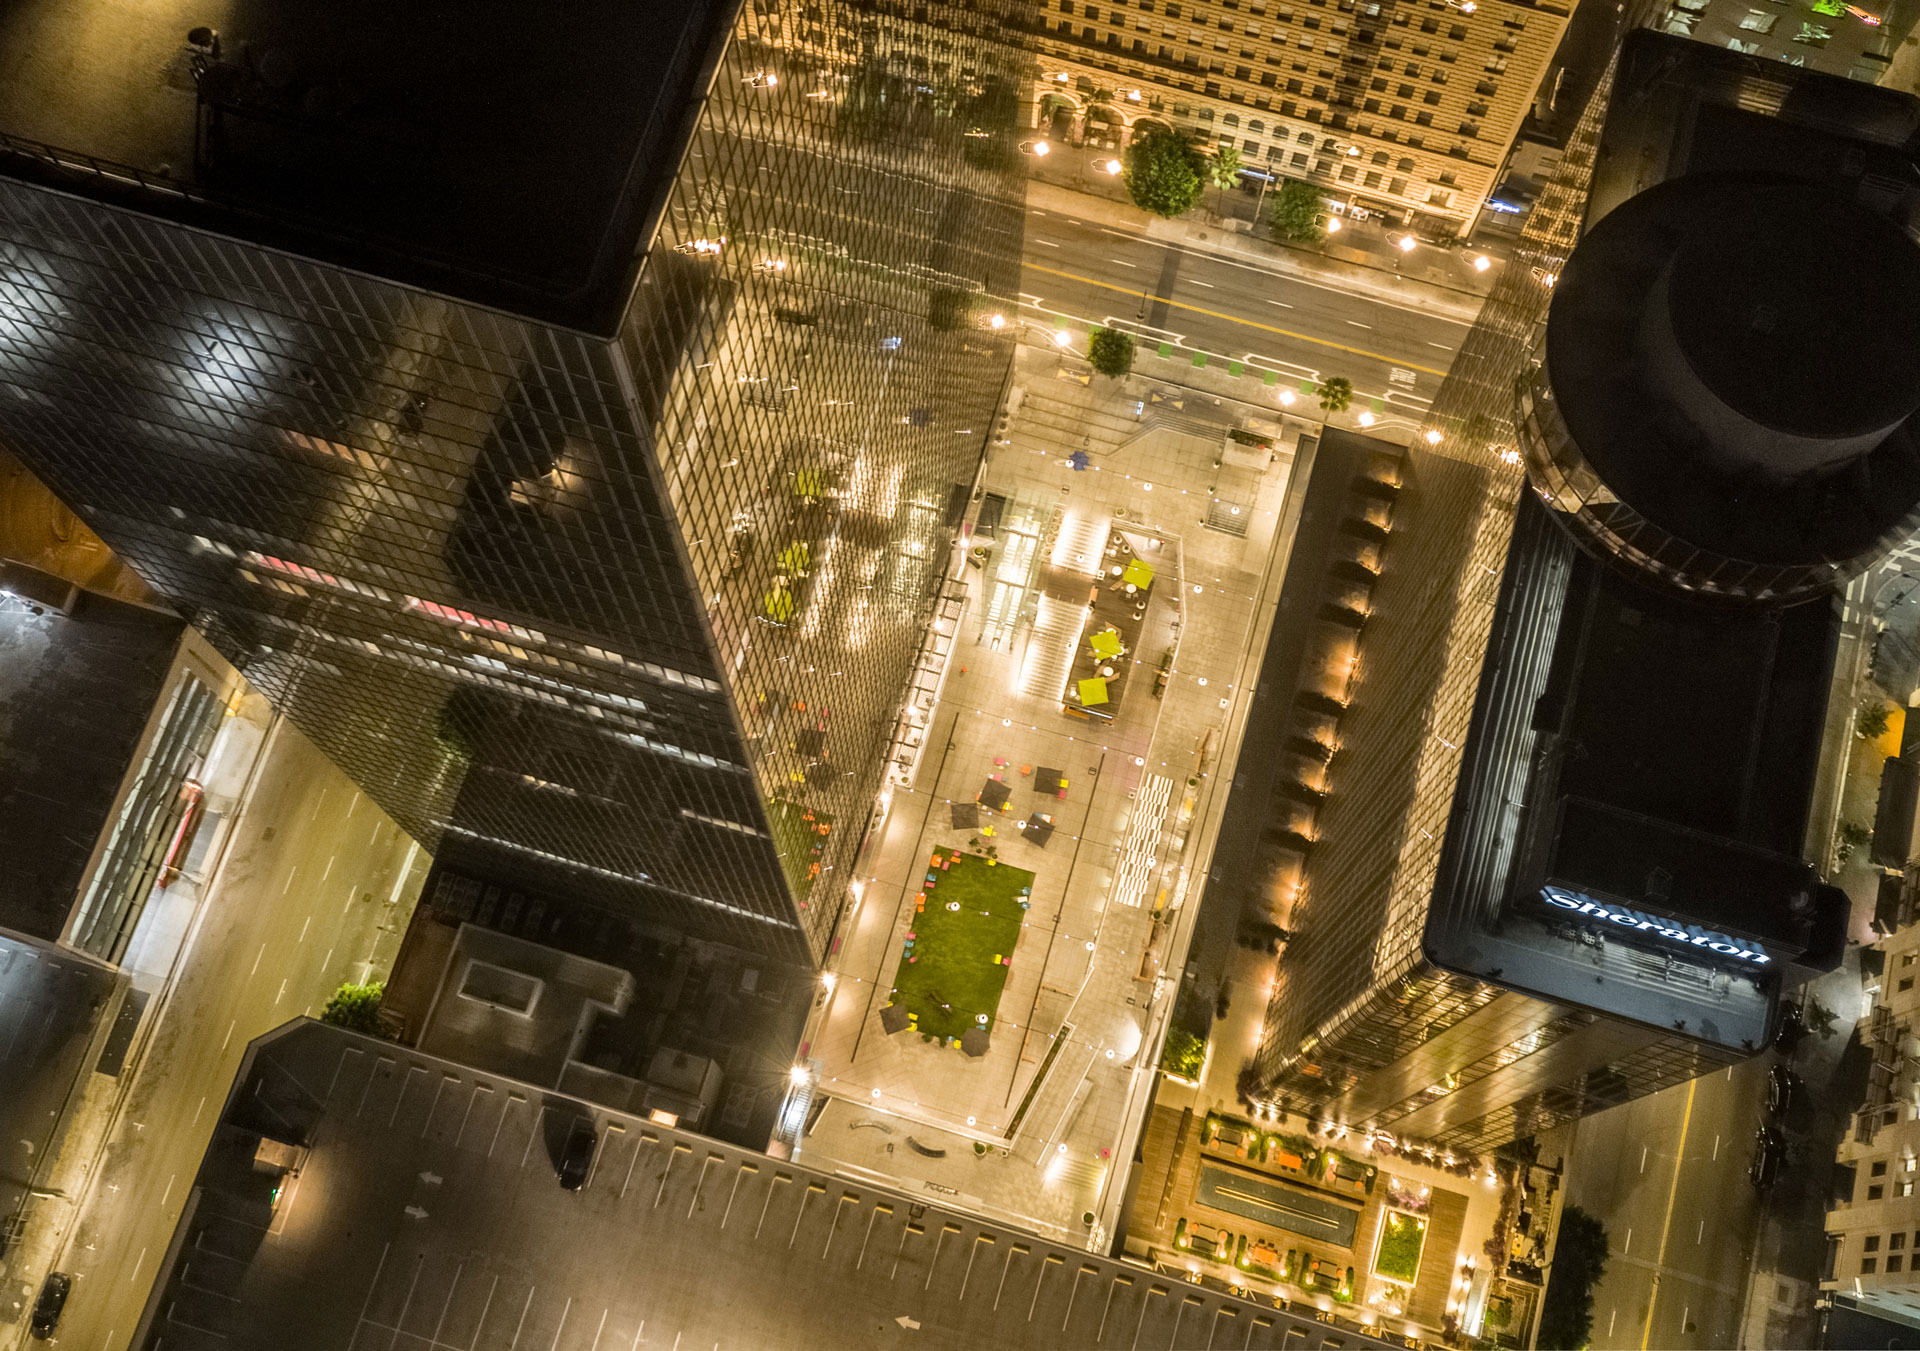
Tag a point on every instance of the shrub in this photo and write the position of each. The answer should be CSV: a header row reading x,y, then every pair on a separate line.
x,y
1579,1261
1110,352
1184,1053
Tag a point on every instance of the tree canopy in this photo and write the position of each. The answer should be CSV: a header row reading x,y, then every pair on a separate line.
x,y
1223,170
1579,1261
1110,352
1296,213
1163,172
1335,392
357,1008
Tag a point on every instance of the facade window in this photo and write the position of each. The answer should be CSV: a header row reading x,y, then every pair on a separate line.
x,y
1897,1241
1868,1265
1903,1187
1813,34
1880,1168
1906,983
1876,1192
1872,1244
1759,21
1893,1265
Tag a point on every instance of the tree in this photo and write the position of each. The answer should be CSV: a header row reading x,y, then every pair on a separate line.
x,y
1110,352
1872,719
1163,172
1579,1261
357,1008
1183,1053
1296,213
1223,171
1335,392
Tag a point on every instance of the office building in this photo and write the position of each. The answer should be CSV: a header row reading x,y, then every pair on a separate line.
x,y
566,431
1406,107
1560,860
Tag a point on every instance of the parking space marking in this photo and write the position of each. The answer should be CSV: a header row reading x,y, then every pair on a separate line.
x,y
1050,1260
539,1124
813,1189
1146,1304
600,1331
485,1307
846,1199
500,1125
1220,1311
765,1205
1119,1282
1074,1293
700,1181
679,1147
521,1326
631,1164
972,1253
466,1116
563,1324
744,1170
439,1092
406,1083
1180,1315
448,1304
938,1243
879,1209
901,1251
1017,1250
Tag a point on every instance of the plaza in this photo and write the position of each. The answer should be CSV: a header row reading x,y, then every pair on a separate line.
x,y
1110,567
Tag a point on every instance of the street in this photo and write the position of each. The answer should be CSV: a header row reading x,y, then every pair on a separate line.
x,y
1306,330
316,888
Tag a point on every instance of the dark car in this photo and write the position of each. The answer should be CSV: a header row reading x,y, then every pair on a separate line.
x,y
53,1298
577,1158
1783,1087
1792,1027
1769,1157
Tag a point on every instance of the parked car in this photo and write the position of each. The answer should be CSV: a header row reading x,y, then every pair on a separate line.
x,y
1769,1157
1783,1087
53,1298
577,1158
1792,1027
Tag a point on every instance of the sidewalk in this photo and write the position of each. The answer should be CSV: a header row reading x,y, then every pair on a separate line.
x,y
1431,278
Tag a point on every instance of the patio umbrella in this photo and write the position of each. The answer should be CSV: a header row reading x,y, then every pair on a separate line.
x,y
1093,692
894,1018
974,1041
1047,780
995,794
965,815
1039,830
1138,574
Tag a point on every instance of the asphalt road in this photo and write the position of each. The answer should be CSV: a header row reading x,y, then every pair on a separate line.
x,y
300,905
1668,1176
1307,330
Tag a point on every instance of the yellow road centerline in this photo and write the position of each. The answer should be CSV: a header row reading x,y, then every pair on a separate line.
x,y
1673,1188
1234,319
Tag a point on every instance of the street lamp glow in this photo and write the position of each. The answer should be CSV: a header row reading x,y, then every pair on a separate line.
x,y
1333,225
1366,419
1133,96
997,321
798,1076
1433,436
1112,166
1062,338
1286,397
1041,148
1405,243
1482,263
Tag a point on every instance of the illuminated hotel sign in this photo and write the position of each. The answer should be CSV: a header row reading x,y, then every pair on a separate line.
x,y
1677,934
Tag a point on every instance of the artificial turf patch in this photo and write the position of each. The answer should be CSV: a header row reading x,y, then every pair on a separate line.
x,y
954,950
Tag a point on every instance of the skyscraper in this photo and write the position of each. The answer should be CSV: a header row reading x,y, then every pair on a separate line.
x,y
563,422
1561,859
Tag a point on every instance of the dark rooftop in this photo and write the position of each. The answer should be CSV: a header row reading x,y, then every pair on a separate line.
x,y
507,152
428,1210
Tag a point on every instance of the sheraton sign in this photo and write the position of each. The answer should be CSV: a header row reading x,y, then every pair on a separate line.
x,y
1671,931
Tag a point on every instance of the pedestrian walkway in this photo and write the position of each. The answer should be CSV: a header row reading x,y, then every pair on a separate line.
x,y
1364,261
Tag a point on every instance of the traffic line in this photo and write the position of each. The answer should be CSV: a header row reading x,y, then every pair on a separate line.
x,y
1235,319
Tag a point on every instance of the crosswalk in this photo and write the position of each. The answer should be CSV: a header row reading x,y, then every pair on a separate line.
x,y
1141,851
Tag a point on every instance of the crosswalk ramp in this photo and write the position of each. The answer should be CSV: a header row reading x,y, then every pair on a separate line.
x,y
1141,852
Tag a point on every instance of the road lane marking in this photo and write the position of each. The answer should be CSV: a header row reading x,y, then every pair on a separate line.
x,y
1357,324
1234,319
289,886
1046,243
303,930
1195,281
1121,261
329,872
282,994
256,961
1442,346
229,1037
1673,1190
1281,303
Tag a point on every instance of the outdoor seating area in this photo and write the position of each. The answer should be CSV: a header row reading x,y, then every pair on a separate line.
x,y
1099,675
954,961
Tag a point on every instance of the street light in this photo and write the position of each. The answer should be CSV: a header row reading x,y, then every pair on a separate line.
x,y
1286,398
1062,338
1036,148
1433,436
1405,243
997,321
1112,166
1482,263
1333,225
1366,419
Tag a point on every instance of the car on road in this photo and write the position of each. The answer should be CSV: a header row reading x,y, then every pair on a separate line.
x,y
53,1298
1792,1027
1783,1087
1769,1157
576,1158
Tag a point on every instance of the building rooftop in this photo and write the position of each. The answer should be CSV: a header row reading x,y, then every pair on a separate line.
x,y
427,1207
505,153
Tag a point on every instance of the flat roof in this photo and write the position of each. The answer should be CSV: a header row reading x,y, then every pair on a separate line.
x,y
428,1209
509,153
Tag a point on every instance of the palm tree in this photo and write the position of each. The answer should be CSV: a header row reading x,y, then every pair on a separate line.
x,y
1335,392
1223,171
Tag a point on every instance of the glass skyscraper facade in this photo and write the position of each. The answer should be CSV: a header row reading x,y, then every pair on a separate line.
x,y
587,507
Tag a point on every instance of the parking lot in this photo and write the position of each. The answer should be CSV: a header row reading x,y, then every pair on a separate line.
x,y
428,1216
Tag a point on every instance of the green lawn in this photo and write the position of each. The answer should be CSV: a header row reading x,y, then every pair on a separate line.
x,y
798,839
1401,1240
956,949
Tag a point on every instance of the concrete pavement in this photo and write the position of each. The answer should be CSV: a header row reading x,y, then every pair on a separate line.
x,y
315,888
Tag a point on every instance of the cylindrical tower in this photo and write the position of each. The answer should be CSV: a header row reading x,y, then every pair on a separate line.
x,y
1725,390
